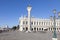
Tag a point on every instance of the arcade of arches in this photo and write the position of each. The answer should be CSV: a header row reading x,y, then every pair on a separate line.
x,y
41,29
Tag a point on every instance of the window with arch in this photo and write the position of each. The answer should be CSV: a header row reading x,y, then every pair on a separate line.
x,y
23,22
26,22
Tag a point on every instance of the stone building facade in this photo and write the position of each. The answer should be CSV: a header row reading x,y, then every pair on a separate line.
x,y
37,24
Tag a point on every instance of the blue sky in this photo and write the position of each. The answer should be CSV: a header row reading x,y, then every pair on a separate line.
x,y
11,10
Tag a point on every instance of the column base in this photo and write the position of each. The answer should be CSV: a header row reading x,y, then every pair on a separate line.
x,y
54,38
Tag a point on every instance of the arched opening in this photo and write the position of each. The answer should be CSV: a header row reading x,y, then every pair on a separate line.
x,y
23,28
39,28
42,29
32,29
54,28
35,29
26,28
49,29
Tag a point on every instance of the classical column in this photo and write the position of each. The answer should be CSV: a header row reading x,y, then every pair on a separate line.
x,y
29,10
36,28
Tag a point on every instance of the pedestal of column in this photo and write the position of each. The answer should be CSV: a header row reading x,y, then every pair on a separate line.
x,y
54,39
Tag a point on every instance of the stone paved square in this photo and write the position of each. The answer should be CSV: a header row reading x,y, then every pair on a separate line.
x,y
17,35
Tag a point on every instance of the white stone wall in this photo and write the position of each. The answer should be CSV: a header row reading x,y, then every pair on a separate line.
x,y
40,23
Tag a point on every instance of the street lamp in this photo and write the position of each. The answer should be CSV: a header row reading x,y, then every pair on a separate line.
x,y
54,33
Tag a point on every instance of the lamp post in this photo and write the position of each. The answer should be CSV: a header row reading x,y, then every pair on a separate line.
x,y
54,33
